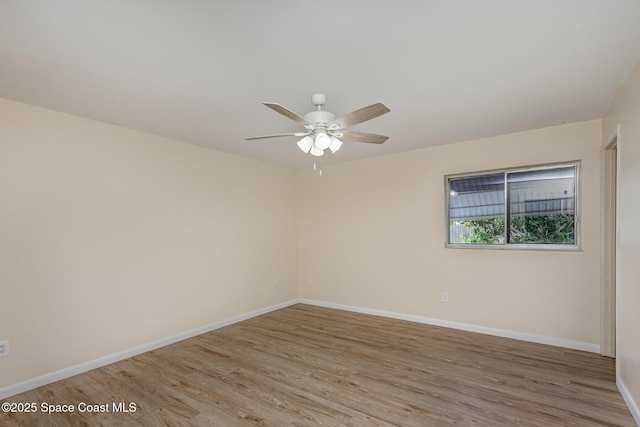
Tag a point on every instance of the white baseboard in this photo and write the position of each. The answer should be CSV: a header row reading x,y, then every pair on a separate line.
x,y
631,404
61,374
112,358
540,339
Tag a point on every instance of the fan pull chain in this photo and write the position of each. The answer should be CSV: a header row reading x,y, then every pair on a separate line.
x,y
315,167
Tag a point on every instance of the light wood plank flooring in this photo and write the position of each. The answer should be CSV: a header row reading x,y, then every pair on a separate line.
x,y
309,366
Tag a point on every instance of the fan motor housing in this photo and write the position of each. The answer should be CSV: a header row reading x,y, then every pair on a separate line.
x,y
319,117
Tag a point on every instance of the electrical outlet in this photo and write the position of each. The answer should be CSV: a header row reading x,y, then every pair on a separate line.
x,y
4,348
445,297
309,281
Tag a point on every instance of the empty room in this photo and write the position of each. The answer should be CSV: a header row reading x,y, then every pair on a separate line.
x,y
356,213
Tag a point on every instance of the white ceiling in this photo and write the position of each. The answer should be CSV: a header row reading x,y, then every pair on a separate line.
x,y
197,71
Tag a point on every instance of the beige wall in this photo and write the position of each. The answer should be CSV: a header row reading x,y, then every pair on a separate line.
x,y
371,234
111,238
625,110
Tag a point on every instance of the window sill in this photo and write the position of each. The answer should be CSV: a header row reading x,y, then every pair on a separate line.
x,y
515,247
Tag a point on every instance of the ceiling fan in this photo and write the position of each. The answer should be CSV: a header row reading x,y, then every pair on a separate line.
x,y
324,131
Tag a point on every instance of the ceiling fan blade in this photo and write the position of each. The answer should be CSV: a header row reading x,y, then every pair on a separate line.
x,y
372,138
287,113
279,135
362,115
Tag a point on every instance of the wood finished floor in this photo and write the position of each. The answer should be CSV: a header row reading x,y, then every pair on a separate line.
x,y
309,366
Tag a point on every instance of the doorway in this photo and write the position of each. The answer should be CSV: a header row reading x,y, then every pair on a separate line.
x,y
609,244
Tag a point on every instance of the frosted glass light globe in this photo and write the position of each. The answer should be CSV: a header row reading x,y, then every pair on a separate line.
x,y
322,141
305,143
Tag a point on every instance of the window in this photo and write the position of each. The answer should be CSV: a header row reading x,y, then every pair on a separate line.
x,y
520,208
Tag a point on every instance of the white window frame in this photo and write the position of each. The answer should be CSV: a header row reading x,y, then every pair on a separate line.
x,y
577,244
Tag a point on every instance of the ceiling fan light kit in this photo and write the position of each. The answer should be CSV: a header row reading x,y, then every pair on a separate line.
x,y
325,131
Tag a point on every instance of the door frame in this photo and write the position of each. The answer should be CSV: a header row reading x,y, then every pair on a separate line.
x,y
609,234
